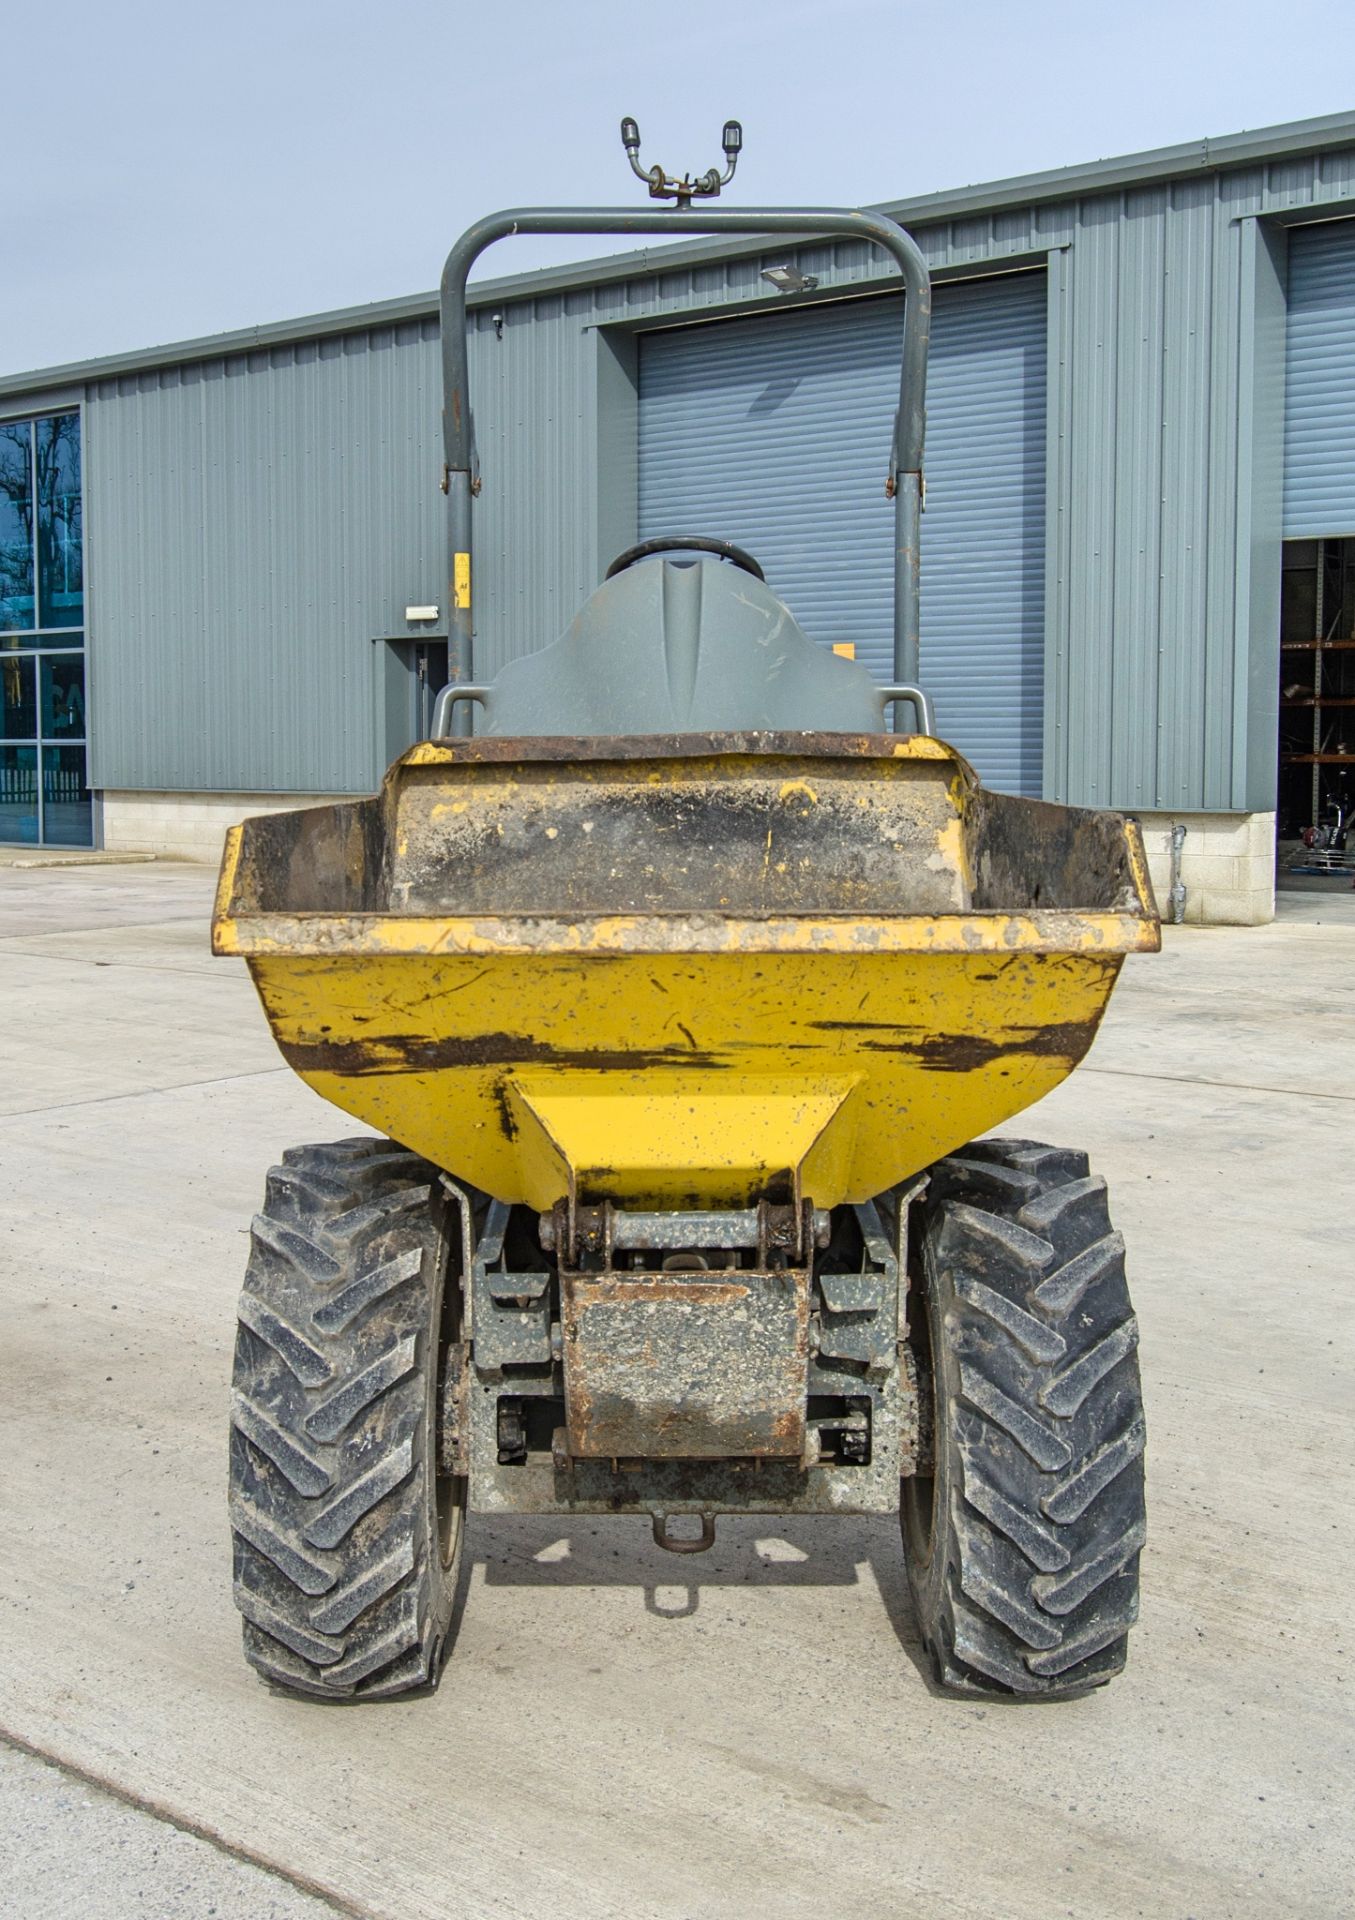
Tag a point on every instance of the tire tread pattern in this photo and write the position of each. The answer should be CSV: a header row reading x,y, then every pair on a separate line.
x,y
338,1573
1040,1408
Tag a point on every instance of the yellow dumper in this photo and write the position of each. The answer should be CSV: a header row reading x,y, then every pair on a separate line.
x,y
676,999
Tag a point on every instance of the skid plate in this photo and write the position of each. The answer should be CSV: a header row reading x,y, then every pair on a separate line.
x,y
686,1365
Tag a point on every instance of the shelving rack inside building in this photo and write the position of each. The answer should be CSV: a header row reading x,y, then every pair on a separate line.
x,y
1317,685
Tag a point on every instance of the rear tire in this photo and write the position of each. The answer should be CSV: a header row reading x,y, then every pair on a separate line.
x,y
1023,1539
346,1533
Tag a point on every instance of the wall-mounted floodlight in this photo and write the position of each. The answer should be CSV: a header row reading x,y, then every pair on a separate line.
x,y
413,614
790,279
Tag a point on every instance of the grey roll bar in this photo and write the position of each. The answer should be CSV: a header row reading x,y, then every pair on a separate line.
x,y
918,700
458,434
448,696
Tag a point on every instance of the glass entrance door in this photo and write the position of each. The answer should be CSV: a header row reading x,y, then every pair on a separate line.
x,y
44,792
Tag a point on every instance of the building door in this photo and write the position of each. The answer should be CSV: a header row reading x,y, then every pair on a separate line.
x,y
1316,786
44,792
415,672
774,432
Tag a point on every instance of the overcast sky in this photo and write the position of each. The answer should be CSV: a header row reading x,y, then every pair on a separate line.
x,y
177,170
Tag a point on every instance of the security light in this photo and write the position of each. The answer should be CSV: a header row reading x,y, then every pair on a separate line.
x,y
790,279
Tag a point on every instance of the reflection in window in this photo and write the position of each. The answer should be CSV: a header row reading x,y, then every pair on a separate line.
x,y
18,793
67,815
63,696
18,704
60,543
16,525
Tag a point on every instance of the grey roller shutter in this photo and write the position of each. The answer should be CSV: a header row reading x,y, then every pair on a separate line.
x,y
1319,394
774,432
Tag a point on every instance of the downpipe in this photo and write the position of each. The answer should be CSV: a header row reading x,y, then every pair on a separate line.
x,y
1176,897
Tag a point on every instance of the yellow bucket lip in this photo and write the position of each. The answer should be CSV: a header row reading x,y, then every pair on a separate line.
x,y
1042,931
613,750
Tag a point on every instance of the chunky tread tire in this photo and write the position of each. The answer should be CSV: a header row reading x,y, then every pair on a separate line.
x,y
1023,1545
345,1538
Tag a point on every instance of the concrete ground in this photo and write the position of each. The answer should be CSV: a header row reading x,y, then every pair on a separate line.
x,y
617,1734
70,1848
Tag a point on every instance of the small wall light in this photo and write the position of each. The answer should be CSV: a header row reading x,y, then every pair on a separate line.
x,y
790,279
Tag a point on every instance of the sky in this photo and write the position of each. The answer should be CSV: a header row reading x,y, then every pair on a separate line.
x,y
179,170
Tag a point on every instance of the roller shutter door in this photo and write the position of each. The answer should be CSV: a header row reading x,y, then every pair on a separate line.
x,y
774,432
1319,400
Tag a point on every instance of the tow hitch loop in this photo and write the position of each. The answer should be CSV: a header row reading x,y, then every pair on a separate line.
x,y
683,1543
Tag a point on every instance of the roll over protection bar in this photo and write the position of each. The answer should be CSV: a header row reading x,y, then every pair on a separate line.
x,y
831,223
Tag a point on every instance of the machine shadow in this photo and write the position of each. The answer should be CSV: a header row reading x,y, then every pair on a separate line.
x,y
752,1552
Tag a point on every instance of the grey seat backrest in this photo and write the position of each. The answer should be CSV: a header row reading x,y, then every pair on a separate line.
x,y
682,646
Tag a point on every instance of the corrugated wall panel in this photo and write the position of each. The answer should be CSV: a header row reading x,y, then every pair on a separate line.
x,y
1137,575
1213,656
254,524
1319,395
1084,611
1182,596
1058,529
774,432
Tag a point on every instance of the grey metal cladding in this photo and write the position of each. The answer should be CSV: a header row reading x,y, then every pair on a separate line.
x,y
257,521
1151,627
233,608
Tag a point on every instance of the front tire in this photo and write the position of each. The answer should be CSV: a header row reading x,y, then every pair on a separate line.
x,y
346,1532
1023,1538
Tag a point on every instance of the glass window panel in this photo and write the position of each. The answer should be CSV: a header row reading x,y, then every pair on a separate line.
x,y
18,699
67,815
60,535
18,793
16,524
63,696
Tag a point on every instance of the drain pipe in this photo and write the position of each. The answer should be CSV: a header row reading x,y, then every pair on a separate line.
x,y
1176,898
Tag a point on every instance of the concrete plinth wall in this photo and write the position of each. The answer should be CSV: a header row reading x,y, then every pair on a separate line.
x,y
1227,865
191,826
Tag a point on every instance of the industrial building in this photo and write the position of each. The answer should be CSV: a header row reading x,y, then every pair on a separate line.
x,y
222,562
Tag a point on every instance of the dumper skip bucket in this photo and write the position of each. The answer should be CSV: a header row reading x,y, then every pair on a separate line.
x,y
684,972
